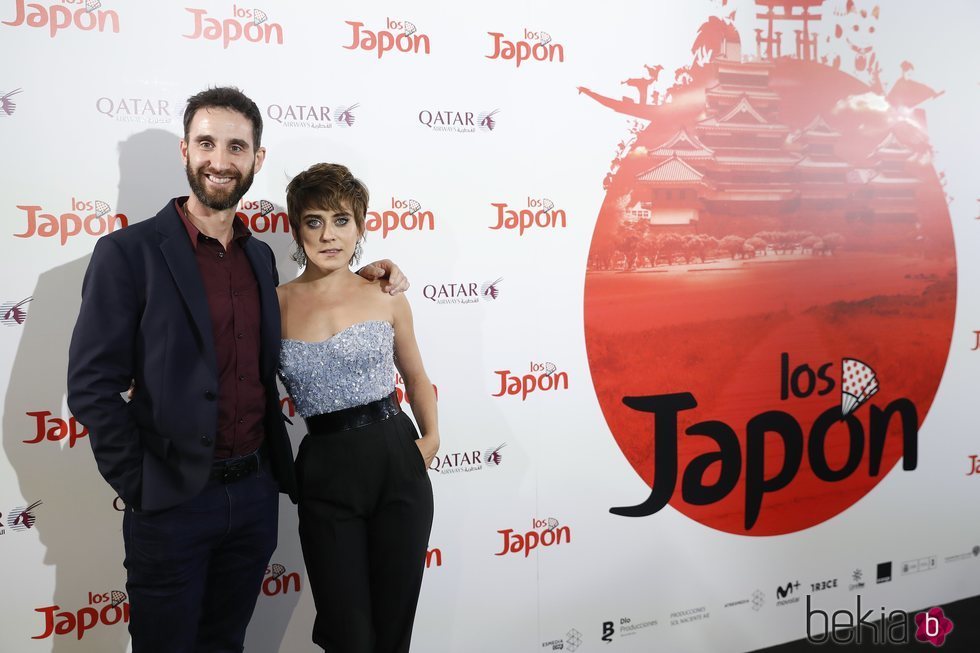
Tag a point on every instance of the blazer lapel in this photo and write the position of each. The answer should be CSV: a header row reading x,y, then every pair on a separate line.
x,y
179,255
266,276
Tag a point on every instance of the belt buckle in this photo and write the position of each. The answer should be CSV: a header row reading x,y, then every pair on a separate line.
x,y
238,470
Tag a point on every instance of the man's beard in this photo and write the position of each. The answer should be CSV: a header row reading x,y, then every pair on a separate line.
x,y
219,200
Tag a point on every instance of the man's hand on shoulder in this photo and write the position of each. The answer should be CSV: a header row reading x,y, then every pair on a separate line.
x,y
390,275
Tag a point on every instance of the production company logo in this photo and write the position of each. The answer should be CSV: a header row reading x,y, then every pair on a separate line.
x,y
531,46
83,15
88,217
573,639
14,313
972,554
312,116
279,582
403,215
104,609
757,600
467,292
542,377
253,25
766,413
19,518
844,627
884,572
544,533
689,615
539,214
857,580
628,626
7,103
927,563
398,36
458,462
143,110
262,216
459,121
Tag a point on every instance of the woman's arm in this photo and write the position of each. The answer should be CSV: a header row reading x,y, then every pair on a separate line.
x,y
418,387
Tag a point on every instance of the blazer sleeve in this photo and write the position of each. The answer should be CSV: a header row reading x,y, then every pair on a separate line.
x,y
101,367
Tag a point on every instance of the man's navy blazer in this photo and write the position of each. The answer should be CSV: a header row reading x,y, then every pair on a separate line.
x,y
145,318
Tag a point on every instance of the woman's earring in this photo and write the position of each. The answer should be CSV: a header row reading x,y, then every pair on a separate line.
x,y
298,255
357,252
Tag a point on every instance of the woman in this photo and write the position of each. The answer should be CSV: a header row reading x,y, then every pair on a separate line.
x,y
365,507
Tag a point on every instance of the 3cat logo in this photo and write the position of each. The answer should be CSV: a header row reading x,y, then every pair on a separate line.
x,y
262,216
532,46
277,582
765,300
14,313
92,218
87,16
104,609
403,215
251,24
7,105
398,35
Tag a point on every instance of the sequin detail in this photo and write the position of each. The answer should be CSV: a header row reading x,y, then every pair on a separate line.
x,y
353,367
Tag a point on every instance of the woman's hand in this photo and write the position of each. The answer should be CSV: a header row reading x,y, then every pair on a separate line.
x,y
428,447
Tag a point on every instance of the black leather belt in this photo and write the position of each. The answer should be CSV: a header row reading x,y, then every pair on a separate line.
x,y
235,469
354,417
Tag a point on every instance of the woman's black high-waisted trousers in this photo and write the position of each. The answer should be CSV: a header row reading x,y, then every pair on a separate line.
x,y
365,513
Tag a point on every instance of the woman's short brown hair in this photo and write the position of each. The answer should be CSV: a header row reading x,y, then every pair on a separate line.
x,y
327,186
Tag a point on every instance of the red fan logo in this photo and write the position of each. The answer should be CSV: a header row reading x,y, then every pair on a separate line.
x,y
858,383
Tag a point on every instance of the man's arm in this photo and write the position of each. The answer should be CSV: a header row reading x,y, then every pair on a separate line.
x,y
100,367
392,279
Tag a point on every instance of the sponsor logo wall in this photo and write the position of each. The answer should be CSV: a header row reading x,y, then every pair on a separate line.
x,y
684,277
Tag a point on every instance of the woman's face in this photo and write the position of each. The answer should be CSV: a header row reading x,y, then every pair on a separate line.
x,y
328,237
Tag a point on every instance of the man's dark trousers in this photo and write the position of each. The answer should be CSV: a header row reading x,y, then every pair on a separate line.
x,y
200,563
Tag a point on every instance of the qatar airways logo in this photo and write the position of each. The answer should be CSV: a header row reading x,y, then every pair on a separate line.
x,y
474,460
402,215
104,609
531,46
88,217
543,533
252,25
142,110
459,122
262,216
20,518
83,15
539,214
463,292
14,313
7,104
312,116
397,36
541,377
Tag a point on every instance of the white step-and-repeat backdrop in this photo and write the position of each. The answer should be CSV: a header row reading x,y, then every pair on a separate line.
x,y
693,281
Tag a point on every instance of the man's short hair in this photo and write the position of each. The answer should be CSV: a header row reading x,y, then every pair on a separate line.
x,y
225,97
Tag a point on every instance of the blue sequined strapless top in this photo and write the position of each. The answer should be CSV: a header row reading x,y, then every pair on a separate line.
x,y
350,368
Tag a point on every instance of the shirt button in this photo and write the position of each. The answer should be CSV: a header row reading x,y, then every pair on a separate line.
x,y
206,440
221,254
241,377
236,293
241,420
209,395
241,335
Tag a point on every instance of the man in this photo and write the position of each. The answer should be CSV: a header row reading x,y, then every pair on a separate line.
x,y
184,307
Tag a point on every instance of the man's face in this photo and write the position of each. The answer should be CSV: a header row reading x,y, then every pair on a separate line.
x,y
219,156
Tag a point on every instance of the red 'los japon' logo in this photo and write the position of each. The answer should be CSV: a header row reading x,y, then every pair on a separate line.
x,y
103,609
541,377
400,35
54,429
251,24
83,15
543,532
92,218
533,46
403,215
540,213
261,216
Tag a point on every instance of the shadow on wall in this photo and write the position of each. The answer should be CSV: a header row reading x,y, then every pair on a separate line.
x,y
79,518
